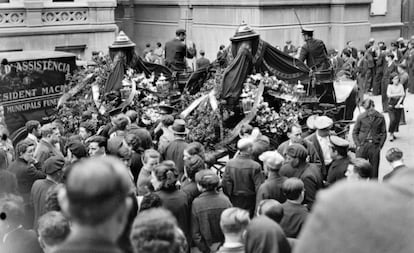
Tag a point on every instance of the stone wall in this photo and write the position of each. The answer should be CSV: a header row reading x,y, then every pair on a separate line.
x,y
212,22
87,25
387,27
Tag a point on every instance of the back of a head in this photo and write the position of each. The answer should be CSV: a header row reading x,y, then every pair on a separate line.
x,y
363,167
196,148
53,228
272,209
193,165
167,173
394,154
4,162
293,188
150,200
31,125
234,220
155,231
47,129
368,104
96,188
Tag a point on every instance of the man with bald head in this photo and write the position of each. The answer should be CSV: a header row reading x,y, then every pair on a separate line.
x,y
95,199
243,177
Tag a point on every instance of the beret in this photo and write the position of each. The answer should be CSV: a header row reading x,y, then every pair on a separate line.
x,y
53,164
77,149
338,141
297,151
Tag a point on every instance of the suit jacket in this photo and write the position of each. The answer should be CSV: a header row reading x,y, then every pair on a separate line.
x,y
337,170
312,179
289,49
395,170
242,177
86,244
38,197
314,140
175,152
315,54
175,53
26,175
370,126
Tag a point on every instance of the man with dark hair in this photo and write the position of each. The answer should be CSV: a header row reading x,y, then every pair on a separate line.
x,y
271,208
176,51
53,229
314,52
202,62
295,213
395,157
339,154
206,212
242,177
96,199
33,131
369,134
86,130
53,168
308,173
143,134
97,146
351,49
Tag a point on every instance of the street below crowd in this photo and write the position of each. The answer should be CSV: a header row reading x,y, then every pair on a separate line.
x,y
404,140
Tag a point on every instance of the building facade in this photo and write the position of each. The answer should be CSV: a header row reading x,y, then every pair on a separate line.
x,y
210,23
77,26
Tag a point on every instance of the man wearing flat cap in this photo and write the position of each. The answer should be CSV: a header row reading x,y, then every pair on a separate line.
x,y
308,173
206,211
53,168
176,51
243,177
314,51
339,154
321,142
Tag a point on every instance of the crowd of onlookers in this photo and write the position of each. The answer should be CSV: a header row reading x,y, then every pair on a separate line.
x,y
121,187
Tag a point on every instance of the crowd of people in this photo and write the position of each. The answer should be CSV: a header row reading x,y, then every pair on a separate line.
x,y
124,188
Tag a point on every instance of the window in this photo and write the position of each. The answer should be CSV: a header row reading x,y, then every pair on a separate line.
x,y
379,7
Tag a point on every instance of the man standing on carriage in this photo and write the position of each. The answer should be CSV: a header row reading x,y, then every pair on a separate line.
x,y
176,50
314,52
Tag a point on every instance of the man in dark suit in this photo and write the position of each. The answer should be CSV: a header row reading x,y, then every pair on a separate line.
x,y
242,177
176,51
339,154
369,135
395,157
314,52
202,62
96,199
352,50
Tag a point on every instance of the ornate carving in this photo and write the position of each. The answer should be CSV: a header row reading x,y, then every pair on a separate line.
x,y
12,18
64,16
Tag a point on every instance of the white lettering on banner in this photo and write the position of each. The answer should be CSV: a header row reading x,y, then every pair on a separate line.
x,y
41,65
23,107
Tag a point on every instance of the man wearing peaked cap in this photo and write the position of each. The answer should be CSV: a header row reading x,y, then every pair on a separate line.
x,y
339,154
321,142
53,168
314,51
206,212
